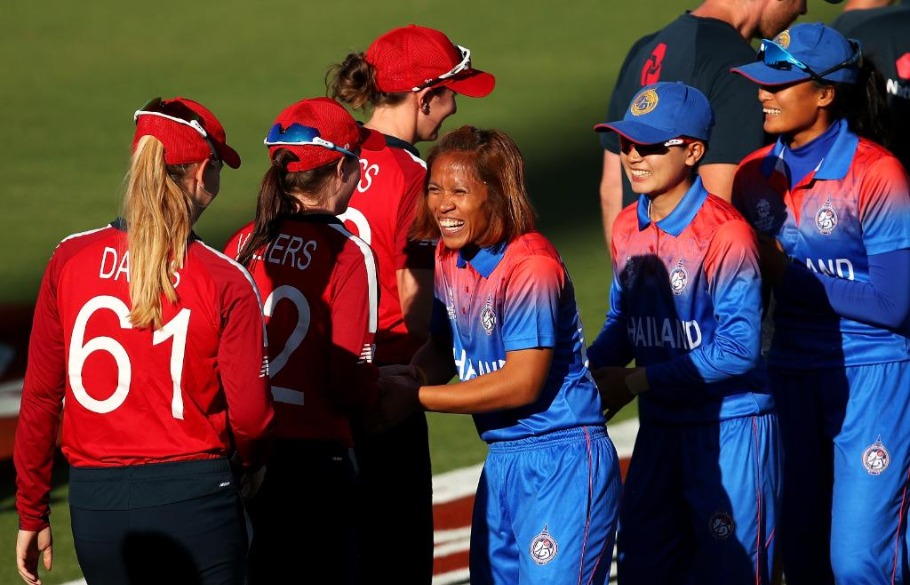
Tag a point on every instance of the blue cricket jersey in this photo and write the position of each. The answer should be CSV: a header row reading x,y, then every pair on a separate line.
x,y
685,303
509,297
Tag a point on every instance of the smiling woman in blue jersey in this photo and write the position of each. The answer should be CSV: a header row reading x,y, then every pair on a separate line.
x,y
832,211
700,499
506,321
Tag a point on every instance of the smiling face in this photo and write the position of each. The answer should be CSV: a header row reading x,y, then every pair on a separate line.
x,y
458,200
798,111
658,170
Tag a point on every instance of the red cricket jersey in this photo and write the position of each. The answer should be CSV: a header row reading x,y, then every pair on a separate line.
x,y
194,389
320,296
381,213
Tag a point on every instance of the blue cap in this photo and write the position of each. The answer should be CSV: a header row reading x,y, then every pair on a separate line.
x,y
820,48
663,111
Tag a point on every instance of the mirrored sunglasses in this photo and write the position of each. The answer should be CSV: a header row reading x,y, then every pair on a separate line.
x,y
464,65
300,135
777,57
156,107
626,145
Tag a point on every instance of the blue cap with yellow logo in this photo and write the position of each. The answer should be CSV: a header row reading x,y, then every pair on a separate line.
x,y
662,111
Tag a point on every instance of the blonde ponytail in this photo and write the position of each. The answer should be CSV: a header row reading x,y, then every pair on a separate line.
x,y
159,218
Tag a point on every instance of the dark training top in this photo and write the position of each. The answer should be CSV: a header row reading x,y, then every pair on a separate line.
x,y
700,52
885,37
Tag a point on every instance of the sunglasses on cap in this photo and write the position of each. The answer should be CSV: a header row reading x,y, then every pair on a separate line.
x,y
626,145
462,66
300,135
155,107
777,57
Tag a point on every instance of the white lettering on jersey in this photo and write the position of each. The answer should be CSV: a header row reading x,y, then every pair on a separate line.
x,y
839,267
112,266
355,221
898,88
468,370
675,334
366,175
291,251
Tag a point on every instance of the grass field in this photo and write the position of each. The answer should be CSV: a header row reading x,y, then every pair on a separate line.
x,y
73,73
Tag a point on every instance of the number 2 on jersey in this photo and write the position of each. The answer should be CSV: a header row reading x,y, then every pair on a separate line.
x,y
294,340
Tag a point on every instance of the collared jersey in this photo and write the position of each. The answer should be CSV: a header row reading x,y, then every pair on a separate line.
x,y
509,297
381,212
319,289
685,303
855,204
196,388
698,51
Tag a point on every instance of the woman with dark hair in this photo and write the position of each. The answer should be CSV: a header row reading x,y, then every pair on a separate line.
x,y
155,342
506,322
320,292
832,212
407,80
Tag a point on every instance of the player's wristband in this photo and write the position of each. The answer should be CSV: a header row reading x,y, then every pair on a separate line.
x,y
637,381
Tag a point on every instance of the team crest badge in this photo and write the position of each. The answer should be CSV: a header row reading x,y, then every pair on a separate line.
x,y
876,458
544,547
826,218
783,39
644,103
679,278
488,317
721,525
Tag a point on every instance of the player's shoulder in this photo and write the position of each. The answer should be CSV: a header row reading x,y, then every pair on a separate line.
x,y
875,158
235,243
753,160
73,244
214,266
532,243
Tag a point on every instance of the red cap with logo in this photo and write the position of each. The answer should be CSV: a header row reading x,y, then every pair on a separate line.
x,y
413,57
189,131
319,131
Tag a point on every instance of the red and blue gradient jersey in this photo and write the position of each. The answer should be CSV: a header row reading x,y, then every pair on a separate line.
x,y
854,205
685,303
510,297
319,293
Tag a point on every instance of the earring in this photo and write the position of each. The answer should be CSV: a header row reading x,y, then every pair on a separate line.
x,y
425,108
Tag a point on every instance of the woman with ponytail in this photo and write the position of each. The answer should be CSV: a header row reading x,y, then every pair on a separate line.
x,y
156,343
832,210
407,82
320,296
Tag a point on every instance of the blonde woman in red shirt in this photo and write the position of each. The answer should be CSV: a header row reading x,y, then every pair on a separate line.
x,y
156,343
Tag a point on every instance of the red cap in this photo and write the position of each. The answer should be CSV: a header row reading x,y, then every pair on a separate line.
x,y
412,56
334,124
182,143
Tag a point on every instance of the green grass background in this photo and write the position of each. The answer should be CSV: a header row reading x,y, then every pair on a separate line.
x,y
74,72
